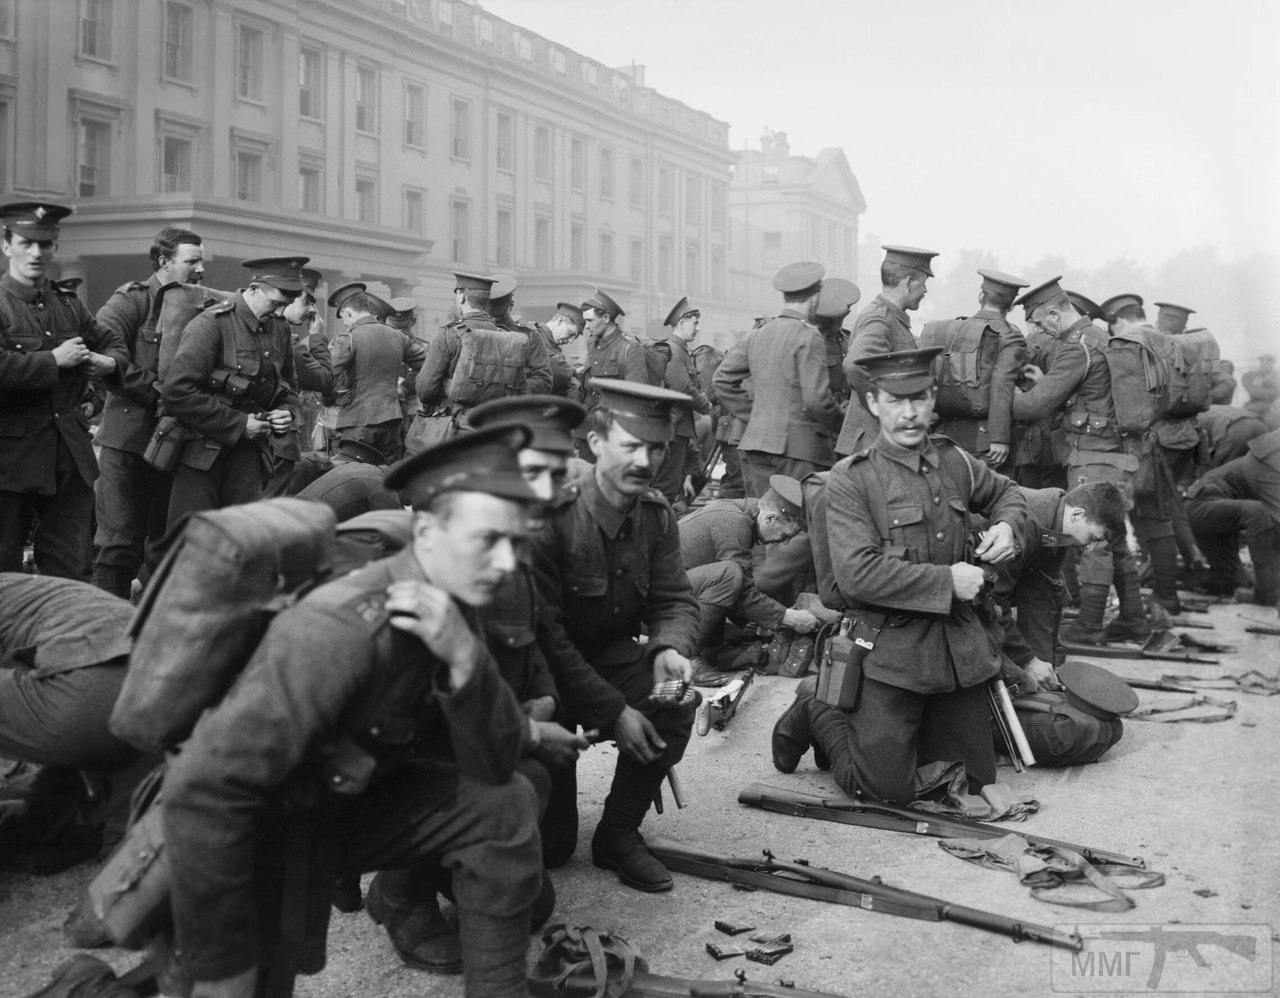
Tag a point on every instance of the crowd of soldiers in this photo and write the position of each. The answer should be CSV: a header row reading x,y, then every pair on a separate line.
x,y
561,578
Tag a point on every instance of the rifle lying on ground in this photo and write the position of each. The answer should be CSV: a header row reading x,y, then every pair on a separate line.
x,y
1117,651
890,817
646,985
799,879
718,710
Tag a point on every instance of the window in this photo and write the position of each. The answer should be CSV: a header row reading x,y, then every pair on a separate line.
x,y
4,141
461,131
606,252
175,164
637,183
6,18
590,74
717,207
248,175
664,190
693,268
524,46
415,213
367,199
93,165
664,263
486,31
692,200
503,235
95,28
444,14
249,63
772,249
415,115
637,261
178,54
557,60
311,83
309,181
717,272
606,174
367,100
542,242
542,153
769,176
577,163
505,148
577,249
815,236
460,231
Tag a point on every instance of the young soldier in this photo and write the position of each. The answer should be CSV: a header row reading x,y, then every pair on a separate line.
x,y
673,479
611,353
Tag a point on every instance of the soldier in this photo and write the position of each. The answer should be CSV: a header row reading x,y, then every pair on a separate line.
x,y
706,358
351,482
558,332
675,478
611,353
716,546
791,416
728,431
368,360
472,360
1262,385
404,315
49,348
608,562
834,304
131,497
231,385
1225,432
881,327
981,360
312,362
897,517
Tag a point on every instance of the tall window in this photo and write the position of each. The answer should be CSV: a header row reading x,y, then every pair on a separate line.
x,y
542,153
178,54
309,180
175,164
366,199
505,234
460,229
94,158
577,246
95,28
606,174
415,115
461,128
248,175
249,47
772,250
693,268
311,83
415,212
637,182
664,263
692,199
4,144
664,190
6,18
717,272
542,242
577,164
717,195
506,144
367,100
606,252
637,261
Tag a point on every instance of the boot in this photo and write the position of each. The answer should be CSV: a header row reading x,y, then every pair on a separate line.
x,y
418,930
791,736
617,844
1132,623
1086,629
1164,570
346,894
85,976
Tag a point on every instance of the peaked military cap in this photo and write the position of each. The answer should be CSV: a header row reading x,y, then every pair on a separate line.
x,y
404,306
338,296
381,308
795,278
1095,691
1040,294
679,311
483,461
601,302
1004,286
311,279
1108,309
572,312
71,284
903,372
35,220
837,297
472,282
787,493
284,273
403,312
358,450
1172,318
504,286
645,410
1085,306
911,257
550,419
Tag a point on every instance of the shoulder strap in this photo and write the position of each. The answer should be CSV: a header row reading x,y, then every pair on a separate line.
x,y
875,495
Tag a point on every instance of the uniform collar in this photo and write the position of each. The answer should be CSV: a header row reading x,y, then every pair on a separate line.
x,y
910,458
25,292
792,313
610,520
893,309
365,320
245,314
611,332
1079,326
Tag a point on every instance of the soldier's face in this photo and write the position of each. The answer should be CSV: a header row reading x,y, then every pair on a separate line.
x,y
29,259
687,328
917,288
624,461
300,310
904,419
777,527
186,265
471,545
1080,528
545,471
564,330
595,319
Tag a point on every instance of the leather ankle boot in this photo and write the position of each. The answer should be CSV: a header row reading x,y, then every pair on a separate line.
x,y
418,930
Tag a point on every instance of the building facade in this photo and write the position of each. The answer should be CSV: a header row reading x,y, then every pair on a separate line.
x,y
392,141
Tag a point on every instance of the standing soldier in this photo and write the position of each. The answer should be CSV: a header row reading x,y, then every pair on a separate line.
x,y
611,353
558,332
607,563
49,348
502,303
834,304
981,359
404,317
312,362
706,358
132,497
791,416
882,327
674,478
231,385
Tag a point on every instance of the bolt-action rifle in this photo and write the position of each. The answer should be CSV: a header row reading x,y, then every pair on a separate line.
x,y
647,985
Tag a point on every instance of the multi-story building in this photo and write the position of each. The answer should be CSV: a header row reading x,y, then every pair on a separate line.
x,y
784,208
392,141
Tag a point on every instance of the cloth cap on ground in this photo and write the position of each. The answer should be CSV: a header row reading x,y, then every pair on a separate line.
x,y
1093,690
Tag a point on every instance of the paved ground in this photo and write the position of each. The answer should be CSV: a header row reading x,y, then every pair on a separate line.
x,y
1198,800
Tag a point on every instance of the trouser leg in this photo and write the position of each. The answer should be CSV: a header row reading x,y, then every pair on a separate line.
x,y
131,505
17,513
669,478
731,482
716,587
873,748
238,475
1038,600
560,818
956,727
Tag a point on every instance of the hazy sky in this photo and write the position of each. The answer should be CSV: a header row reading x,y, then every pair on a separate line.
x,y
1093,130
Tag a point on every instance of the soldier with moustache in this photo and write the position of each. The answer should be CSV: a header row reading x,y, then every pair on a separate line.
x,y
49,349
611,354
674,478
131,497
883,326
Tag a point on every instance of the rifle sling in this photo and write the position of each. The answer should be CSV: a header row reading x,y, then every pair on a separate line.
x,y
646,985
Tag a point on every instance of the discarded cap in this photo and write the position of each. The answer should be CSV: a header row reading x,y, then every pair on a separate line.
x,y
1095,691
284,273
338,296
1003,287
35,220
837,297
1172,318
550,419
903,372
796,278
1108,309
679,311
645,410
911,257
1040,294
787,493
482,461
601,302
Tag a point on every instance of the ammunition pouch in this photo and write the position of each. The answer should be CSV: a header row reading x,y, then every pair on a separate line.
x,y
842,655
168,441
245,393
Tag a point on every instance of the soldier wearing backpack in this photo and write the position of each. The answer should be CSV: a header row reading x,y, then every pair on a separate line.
x,y
982,357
